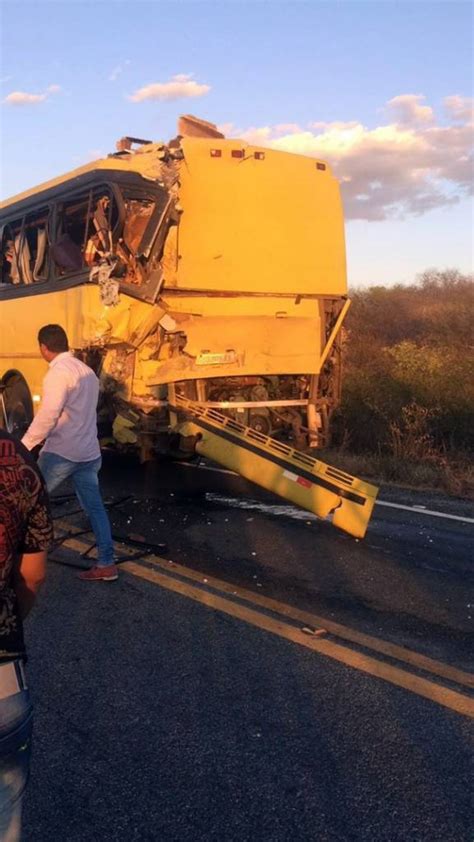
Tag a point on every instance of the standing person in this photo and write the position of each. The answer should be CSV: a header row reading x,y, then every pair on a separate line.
x,y
26,532
67,422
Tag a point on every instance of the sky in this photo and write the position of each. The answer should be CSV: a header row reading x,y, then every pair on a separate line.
x,y
381,89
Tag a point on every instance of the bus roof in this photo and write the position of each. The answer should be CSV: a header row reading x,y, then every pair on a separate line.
x,y
112,163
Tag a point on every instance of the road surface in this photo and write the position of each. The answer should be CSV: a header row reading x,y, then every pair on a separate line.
x,y
266,678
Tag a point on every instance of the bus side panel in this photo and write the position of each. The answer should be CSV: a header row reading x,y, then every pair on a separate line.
x,y
79,310
21,321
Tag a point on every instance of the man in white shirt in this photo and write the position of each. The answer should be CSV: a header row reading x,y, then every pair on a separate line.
x,y
67,423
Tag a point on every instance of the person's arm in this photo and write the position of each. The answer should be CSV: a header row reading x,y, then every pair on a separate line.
x,y
29,576
30,570
54,398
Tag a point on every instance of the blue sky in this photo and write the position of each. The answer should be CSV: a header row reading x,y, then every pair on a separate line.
x,y
378,88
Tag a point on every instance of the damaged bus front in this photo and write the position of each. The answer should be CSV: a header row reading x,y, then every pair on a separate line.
x,y
203,269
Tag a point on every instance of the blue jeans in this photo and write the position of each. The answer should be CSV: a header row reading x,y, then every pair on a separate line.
x,y
85,477
15,750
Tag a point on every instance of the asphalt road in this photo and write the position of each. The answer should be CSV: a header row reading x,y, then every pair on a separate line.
x,y
185,703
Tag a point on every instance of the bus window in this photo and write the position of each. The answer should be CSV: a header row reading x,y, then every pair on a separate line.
x,y
137,216
24,249
84,230
36,237
103,220
70,238
10,269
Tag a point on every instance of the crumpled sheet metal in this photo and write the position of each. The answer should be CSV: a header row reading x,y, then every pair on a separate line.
x,y
123,430
108,285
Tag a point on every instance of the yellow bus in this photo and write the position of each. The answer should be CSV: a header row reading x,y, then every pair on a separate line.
x,y
204,281
206,267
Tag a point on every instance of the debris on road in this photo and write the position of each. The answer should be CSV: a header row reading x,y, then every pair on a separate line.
x,y
314,632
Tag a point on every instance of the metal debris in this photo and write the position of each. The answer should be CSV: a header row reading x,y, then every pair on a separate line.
x,y
108,285
314,632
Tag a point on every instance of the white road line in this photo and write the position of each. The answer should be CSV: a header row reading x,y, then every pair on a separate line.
x,y
289,511
417,511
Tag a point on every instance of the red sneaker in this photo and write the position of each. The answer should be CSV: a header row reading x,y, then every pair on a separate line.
x,y
100,574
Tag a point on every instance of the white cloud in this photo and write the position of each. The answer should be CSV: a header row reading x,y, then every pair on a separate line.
x,y
287,128
409,165
460,108
24,98
179,86
409,109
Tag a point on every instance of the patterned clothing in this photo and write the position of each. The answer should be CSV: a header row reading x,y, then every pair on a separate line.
x,y
25,527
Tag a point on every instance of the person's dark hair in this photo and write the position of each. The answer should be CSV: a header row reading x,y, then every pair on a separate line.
x,y
54,337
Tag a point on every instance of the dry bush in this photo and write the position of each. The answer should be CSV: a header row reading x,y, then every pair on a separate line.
x,y
409,436
408,389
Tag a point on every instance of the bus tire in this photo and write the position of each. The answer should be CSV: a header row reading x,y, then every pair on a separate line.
x,y
17,404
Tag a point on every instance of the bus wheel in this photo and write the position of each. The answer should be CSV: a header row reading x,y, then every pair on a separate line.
x,y
16,405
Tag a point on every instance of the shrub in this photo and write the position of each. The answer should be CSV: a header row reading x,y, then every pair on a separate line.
x,y
408,387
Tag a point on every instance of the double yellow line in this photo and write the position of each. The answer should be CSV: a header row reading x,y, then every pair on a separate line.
x,y
288,622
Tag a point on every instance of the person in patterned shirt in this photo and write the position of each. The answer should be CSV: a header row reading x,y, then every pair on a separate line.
x,y
26,532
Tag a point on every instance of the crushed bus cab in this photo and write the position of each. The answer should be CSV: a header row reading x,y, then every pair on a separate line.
x,y
203,272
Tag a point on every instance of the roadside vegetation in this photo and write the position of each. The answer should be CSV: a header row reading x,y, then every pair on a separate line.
x,y
407,412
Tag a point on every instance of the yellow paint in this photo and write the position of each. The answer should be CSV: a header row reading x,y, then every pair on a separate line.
x,y
395,675
305,481
259,345
375,644
147,165
271,224
237,213
250,272
81,313
451,699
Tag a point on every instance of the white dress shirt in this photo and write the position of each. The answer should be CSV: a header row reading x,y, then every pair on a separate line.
x,y
67,418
